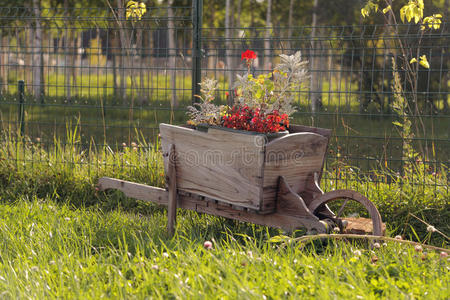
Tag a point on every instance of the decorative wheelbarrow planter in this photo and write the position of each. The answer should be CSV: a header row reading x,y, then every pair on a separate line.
x,y
246,177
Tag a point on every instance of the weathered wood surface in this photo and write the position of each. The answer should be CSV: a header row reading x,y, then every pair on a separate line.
x,y
202,205
296,157
290,203
351,195
294,128
361,226
134,190
218,164
171,179
241,169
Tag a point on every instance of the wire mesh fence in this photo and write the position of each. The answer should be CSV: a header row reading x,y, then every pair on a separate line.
x,y
117,79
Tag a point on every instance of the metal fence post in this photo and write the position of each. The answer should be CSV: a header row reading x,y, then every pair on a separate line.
x,y
21,116
197,12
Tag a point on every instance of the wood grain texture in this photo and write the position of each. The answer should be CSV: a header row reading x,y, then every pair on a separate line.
x,y
290,203
352,195
201,205
171,179
134,190
218,164
296,157
294,128
361,226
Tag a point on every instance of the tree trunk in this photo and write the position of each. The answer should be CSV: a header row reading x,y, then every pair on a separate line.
x,y
172,54
212,45
238,15
313,86
6,60
228,50
115,46
267,51
29,59
141,66
68,48
290,23
124,51
445,79
149,64
76,64
2,63
38,64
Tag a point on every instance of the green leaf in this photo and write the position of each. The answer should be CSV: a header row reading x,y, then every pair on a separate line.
x,y
278,239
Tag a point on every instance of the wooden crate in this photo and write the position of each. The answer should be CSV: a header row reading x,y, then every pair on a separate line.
x,y
243,169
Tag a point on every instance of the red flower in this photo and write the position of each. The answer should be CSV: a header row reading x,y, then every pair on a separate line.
x,y
248,55
227,94
246,118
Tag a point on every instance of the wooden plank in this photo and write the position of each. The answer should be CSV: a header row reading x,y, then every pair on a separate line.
x,y
294,128
279,220
171,179
296,157
199,204
361,226
134,190
219,164
290,203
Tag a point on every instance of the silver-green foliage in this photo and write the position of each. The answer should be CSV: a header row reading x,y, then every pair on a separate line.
x,y
275,90
205,111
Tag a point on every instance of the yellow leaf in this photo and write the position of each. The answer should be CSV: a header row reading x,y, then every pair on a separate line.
x,y
402,13
424,62
364,12
131,3
416,18
408,14
437,16
385,10
420,4
413,60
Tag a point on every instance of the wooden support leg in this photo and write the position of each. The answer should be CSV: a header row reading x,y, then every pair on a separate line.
x,y
290,203
172,183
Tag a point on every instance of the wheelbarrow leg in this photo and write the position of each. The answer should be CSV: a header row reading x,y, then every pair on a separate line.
x,y
172,184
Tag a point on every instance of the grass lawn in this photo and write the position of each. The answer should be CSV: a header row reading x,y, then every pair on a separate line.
x,y
52,250
61,238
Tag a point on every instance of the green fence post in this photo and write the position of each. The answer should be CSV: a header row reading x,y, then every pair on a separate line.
x,y
21,117
197,12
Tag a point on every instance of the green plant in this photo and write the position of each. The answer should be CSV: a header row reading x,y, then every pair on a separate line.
x,y
206,112
272,91
262,103
406,104
52,250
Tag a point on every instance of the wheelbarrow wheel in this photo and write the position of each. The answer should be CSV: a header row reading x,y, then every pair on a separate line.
x,y
342,197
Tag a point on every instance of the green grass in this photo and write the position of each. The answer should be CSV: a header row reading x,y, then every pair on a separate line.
x,y
52,250
61,238
366,141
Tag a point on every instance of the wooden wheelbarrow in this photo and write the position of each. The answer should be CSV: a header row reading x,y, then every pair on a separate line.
x,y
247,177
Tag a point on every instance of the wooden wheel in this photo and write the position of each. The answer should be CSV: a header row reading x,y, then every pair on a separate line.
x,y
342,197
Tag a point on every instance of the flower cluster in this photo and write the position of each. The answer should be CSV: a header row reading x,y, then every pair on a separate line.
x,y
262,103
247,118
